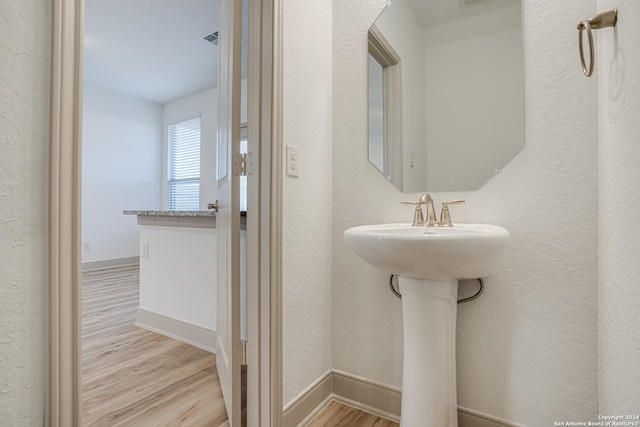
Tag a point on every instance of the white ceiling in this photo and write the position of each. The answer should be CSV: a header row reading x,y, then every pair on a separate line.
x,y
151,49
431,13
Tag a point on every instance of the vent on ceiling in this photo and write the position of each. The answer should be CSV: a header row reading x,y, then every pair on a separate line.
x,y
467,3
211,37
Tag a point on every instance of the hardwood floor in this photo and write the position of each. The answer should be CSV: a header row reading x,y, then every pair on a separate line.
x,y
335,414
136,378
133,377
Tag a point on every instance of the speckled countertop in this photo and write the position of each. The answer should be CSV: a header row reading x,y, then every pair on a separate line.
x,y
170,213
197,219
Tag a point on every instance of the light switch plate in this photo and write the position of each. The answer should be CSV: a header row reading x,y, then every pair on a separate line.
x,y
292,161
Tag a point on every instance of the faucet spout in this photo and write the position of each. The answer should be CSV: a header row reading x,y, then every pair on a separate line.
x,y
431,211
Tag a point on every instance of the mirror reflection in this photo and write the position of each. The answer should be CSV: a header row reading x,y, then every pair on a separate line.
x,y
452,114
376,124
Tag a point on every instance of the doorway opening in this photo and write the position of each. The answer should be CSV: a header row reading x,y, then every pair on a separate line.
x,y
65,240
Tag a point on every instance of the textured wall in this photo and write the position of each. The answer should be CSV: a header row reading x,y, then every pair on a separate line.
x,y
619,295
24,88
367,326
527,349
307,199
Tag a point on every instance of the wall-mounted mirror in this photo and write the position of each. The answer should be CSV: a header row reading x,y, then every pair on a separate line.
x,y
449,113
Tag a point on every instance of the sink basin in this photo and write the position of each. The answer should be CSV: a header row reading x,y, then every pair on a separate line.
x,y
429,262
465,251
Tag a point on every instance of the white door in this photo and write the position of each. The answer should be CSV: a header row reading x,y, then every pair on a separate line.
x,y
229,346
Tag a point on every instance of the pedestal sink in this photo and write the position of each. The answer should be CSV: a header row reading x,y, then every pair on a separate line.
x,y
429,262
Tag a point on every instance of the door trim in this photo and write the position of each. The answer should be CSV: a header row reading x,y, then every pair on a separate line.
x,y
65,351
264,280
276,50
64,224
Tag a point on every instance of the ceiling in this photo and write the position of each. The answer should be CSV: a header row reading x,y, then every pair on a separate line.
x,y
431,13
151,49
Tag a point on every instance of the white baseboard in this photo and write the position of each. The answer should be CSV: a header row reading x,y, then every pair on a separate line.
x,y
369,396
366,395
469,418
110,263
182,331
307,404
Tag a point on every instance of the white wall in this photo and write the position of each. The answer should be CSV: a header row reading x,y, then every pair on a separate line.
x,y
24,90
619,297
121,160
179,277
475,99
527,348
205,106
367,328
307,199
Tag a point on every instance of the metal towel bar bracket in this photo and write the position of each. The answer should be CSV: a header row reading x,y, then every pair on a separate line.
x,y
601,20
397,293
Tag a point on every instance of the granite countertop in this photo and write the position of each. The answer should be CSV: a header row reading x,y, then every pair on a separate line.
x,y
170,213
198,219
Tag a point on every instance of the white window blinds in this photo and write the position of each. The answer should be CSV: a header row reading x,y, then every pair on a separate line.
x,y
184,165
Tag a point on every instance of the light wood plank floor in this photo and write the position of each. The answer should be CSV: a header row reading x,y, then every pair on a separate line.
x,y
133,377
336,414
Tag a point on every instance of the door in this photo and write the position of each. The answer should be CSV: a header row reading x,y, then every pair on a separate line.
x,y
229,345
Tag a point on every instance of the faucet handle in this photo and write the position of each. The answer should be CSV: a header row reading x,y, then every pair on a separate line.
x,y
445,215
418,216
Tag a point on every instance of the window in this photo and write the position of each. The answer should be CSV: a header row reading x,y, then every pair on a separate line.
x,y
184,165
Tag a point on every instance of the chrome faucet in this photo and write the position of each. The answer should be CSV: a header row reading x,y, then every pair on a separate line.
x,y
431,211
418,216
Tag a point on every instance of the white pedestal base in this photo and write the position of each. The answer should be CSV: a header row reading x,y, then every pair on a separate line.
x,y
429,310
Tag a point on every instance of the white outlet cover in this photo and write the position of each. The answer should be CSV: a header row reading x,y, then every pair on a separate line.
x,y
293,161
144,250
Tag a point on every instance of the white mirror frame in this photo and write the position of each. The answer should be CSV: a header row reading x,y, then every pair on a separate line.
x,y
64,225
388,58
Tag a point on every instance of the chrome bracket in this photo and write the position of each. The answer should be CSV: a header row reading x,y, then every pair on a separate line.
x,y
243,164
244,352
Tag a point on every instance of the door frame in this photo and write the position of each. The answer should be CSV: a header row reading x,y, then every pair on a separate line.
x,y
64,216
264,279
